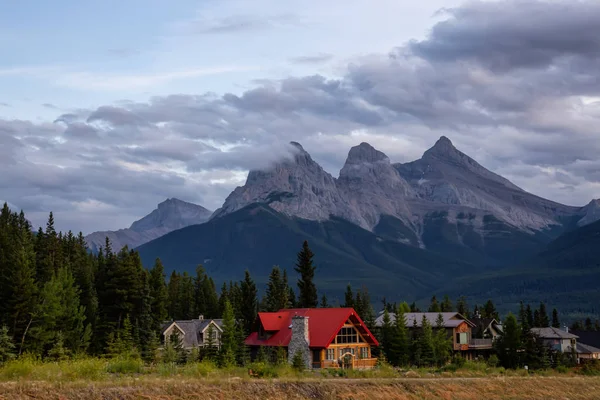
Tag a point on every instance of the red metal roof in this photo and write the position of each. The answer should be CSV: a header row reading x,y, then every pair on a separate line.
x,y
323,325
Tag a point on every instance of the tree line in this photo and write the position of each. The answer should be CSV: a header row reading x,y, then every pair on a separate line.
x,y
57,299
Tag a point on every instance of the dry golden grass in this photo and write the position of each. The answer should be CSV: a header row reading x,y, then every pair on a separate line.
x,y
155,388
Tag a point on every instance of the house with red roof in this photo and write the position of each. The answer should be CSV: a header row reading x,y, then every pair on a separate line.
x,y
325,337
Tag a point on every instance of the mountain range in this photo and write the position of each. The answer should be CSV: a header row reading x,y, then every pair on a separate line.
x,y
170,215
403,229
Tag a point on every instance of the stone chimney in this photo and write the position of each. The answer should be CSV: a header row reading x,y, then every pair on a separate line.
x,y
201,317
300,340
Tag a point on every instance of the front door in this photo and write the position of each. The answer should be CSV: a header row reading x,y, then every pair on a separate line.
x,y
316,358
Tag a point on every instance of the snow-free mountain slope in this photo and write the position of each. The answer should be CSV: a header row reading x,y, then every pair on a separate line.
x,y
169,215
297,187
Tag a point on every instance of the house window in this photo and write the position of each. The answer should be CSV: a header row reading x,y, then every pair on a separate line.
x,y
462,338
347,350
331,354
347,335
364,352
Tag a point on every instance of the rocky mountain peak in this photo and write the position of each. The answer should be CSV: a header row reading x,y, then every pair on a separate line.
x,y
172,213
591,213
444,148
364,152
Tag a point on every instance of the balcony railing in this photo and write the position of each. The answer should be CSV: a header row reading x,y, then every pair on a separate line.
x,y
480,344
358,363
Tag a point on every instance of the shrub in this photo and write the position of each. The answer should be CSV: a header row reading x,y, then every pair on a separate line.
x,y
591,368
262,370
458,360
200,369
562,369
125,365
493,361
298,361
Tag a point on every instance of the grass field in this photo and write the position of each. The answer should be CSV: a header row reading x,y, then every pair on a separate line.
x,y
91,378
554,387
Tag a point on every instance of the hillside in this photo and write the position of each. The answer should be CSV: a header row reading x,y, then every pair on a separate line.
x,y
257,237
566,273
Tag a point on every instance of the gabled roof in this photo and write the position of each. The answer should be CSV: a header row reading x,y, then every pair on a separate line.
x,y
451,319
323,326
191,328
586,349
553,333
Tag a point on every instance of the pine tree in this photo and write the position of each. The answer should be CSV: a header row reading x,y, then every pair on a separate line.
x,y
223,297
529,314
404,307
544,320
434,306
555,321
349,297
489,310
158,294
173,288
186,297
446,304
276,296
291,295
523,321
462,307
210,345
537,321
199,306
307,290
509,343
248,305
400,340
7,347
229,344
386,334
441,342
324,303
415,345
427,349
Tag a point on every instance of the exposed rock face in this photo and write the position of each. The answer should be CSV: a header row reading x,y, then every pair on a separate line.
x,y
591,213
445,183
170,215
373,187
297,187
447,178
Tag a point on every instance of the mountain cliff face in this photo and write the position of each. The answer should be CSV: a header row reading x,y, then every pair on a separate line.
x,y
445,201
170,215
297,187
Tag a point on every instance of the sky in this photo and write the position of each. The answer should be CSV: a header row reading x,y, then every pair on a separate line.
x,y
109,107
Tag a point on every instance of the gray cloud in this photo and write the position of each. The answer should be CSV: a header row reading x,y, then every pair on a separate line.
x,y
510,34
2,104
533,120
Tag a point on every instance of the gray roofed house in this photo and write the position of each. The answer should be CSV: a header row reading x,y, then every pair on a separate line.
x,y
587,352
457,327
194,332
556,338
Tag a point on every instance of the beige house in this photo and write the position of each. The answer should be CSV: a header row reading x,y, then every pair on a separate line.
x,y
195,332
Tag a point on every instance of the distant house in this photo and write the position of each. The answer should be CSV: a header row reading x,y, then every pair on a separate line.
x,y
459,328
566,342
556,338
486,328
195,332
325,337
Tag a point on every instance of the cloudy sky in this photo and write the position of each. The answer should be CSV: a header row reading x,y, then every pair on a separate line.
x,y
109,107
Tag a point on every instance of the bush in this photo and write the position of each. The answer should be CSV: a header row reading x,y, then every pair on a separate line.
x,y
493,361
125,365
200,369
458,360
298,361
262,370
591,368
562,369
